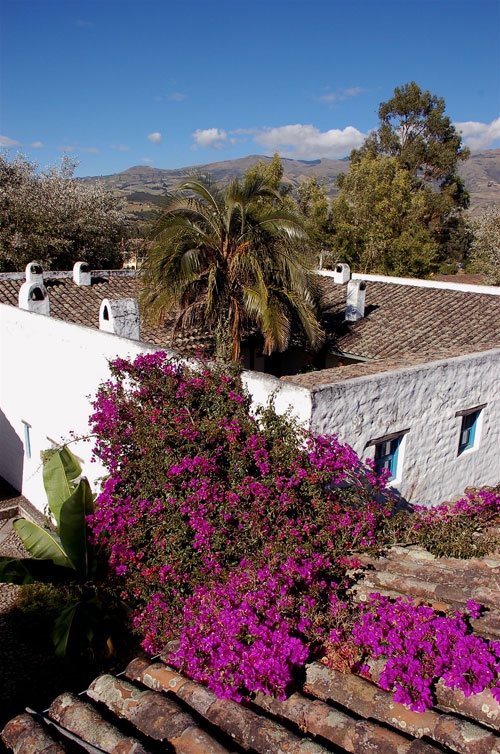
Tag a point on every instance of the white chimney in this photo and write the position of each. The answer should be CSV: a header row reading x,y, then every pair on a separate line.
x,y
121,317
34,297
34,273
341,273
82,274
356,292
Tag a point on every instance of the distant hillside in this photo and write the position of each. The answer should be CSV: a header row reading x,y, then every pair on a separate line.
x,y
142,187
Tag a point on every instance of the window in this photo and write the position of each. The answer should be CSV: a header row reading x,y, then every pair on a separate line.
x,y
27,439
387,454
469,428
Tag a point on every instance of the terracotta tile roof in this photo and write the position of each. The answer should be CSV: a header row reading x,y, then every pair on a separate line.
x,y
81,304
151,704
403,324
402,320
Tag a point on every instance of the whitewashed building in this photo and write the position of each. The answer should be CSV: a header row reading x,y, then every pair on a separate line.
x,y
410,373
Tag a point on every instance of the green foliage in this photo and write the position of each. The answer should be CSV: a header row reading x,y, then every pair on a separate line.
x,y
83,612
399,210
381,222
485,247
53,218
227,259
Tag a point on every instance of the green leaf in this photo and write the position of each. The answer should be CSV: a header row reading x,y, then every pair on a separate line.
x,y
73,528
41,543
63,628
60,473
29,570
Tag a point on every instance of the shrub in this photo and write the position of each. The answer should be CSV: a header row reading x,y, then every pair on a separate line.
x,y
238,534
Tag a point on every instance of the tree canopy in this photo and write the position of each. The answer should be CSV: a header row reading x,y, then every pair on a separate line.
x,y
406,172
228,259
485,246
56,219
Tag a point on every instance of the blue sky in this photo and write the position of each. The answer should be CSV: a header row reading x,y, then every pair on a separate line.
x,y
172,83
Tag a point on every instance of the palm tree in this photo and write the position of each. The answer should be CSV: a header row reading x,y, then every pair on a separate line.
x,y
228,259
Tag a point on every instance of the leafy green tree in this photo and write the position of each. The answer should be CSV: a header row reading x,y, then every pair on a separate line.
x,y
381,222
485,246
227,259
313,203
56,219
414,129
416,137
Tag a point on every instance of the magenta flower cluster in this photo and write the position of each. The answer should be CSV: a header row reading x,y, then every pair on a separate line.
x,y
422,646
236,533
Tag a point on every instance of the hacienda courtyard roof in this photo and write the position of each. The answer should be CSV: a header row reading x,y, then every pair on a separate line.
x,y
404,323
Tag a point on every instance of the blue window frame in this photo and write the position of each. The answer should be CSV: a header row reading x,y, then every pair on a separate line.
x,y
27,439
386,455
468,430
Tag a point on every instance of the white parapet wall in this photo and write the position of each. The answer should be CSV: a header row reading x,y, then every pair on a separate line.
x,y
50,371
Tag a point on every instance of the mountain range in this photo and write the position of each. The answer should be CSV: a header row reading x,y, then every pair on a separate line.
x,y
142,187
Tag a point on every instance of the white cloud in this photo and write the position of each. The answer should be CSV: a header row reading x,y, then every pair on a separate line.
x,y
307,142
177,97
155,138
91,150
212,138
147,160
120,147
66,148
37,144
477,135
6,142
330,97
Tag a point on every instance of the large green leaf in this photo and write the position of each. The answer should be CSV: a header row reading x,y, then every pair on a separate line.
x,y
41,543
60,474
73,528
29,570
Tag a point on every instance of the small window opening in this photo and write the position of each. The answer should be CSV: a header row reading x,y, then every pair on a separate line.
x,y
105,313
468,431
84,267
27,439
35,269
386,456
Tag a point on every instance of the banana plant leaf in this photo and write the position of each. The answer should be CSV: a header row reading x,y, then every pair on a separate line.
x,y
42,543
61,471
76,623
73,528
29,570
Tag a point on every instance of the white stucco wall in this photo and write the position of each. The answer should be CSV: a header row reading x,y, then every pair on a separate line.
x,y
51,368
425,400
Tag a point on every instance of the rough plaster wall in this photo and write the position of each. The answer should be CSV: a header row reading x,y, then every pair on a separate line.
x,y
425,400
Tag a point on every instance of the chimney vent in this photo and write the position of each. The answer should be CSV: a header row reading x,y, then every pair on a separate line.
x,y
34,297
341,273
120,317
356,293
82,274
34,273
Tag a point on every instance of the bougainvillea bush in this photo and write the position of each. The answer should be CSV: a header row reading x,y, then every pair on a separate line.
x,y
235,534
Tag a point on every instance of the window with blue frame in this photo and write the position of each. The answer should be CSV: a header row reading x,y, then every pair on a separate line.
x,y
469,434
387,455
